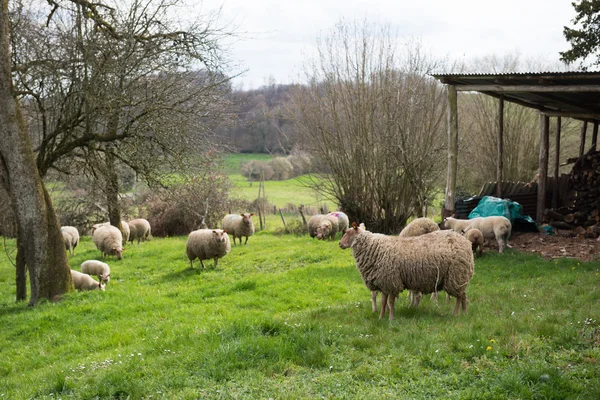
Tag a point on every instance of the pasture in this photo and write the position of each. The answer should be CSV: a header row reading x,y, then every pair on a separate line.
x,y
289,317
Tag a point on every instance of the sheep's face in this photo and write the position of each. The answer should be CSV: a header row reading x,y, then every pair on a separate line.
x,y
119,252
350,235
447,222
247,218
105,278
101,286
219,235
324,229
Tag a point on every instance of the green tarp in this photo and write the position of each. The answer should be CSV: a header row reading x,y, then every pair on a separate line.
x,y
489,206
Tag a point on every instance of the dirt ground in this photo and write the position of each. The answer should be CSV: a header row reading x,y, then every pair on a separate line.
x,y
557,246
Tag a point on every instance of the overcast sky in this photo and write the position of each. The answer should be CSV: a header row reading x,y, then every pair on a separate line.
x,y
278,34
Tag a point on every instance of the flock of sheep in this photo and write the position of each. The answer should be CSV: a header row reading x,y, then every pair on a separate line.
x,y
422,259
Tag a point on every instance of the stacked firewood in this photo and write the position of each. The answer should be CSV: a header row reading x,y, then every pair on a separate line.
x,y
583,213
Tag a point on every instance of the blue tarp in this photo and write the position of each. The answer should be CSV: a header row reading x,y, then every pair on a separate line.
x,y
489,206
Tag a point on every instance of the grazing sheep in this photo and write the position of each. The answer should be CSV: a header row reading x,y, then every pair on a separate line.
x,y
441,260
85,282
475,236
313,224
238,225
98,268
333,223
109,240
124,229
71,236
205,244
495,227
139,229
418,227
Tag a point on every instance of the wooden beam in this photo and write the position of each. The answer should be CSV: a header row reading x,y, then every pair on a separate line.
x,y
595,135
582,138
542,167
452,152
500,165
556,165
590,117
529,88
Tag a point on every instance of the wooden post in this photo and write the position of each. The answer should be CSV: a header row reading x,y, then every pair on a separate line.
x,y
543,166
582,138
285,229
500,164
555,192
301,210
452,152
595,135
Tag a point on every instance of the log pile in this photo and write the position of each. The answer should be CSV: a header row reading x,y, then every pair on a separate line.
x,y
583,213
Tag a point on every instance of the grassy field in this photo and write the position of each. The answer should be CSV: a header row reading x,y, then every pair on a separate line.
x,y
287,317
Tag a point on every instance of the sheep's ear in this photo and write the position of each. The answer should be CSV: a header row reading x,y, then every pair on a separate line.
x,y
224,231
251,214
354,226
242,214
214,231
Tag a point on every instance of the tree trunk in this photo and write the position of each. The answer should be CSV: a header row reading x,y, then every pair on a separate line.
x,y
112,191
39,235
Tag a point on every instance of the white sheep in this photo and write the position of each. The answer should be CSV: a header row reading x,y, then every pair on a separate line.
x,y
475,236
98,268
71,237
441,260
494,227
139,229
109,240
331,224
205,244
238,225
313,224
85,282
124,229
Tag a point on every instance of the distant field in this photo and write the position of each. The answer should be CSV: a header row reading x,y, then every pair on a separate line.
x,y
279,193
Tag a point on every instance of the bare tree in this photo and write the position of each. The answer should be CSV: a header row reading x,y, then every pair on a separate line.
x,y
376,119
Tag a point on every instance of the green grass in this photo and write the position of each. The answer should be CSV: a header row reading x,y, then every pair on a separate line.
x,y
233,161
288,317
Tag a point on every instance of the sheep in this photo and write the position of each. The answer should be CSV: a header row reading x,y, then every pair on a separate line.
x,y
333,223
85,282
417,227
98,268
313,224
205,244
109,240
239,225
72,234
475,236
441,260
139,229
494,227
124,229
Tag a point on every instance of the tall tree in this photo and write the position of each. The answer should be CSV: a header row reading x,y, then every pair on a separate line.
x,y
585,36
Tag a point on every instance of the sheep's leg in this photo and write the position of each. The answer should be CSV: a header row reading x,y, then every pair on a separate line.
x,y
500,245
374,300
461,300
203,267
216,262
246,242
415,298
391,300
384,298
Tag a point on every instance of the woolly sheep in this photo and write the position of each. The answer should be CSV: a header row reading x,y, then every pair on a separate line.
x,y
98,268
441,260
333,223
475,236
238,225
139,229
124,229
418,227
85,282
72,234
205,244
495,227
313,224
109,240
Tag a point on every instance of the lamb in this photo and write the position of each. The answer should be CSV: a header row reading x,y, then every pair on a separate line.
x,y
109,240
495,227
98,268
205,244
239,225
313,224
85,282
333,223
71,237
475,236
441,260
139,229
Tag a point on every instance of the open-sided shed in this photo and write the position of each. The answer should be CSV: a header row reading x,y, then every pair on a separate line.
x,y
553,94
